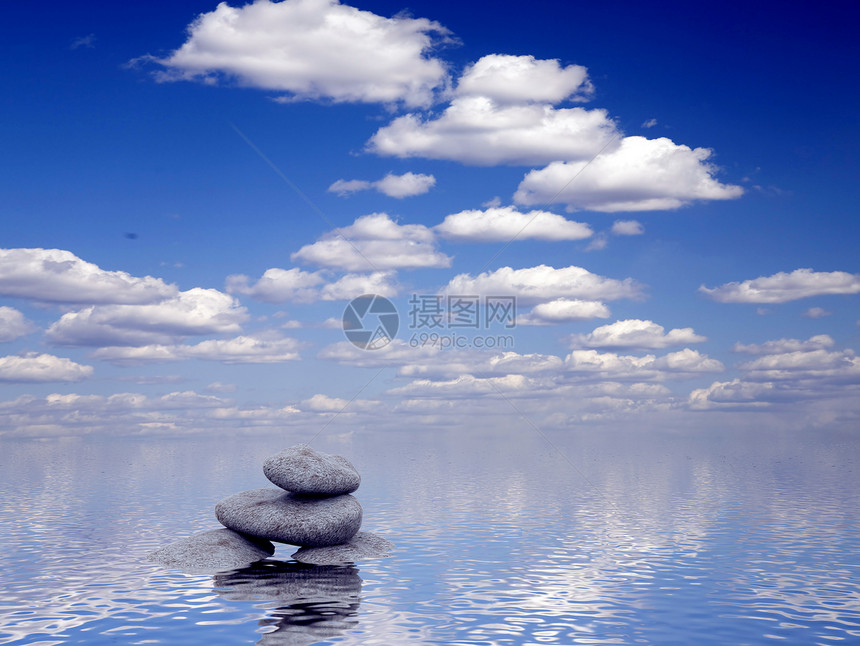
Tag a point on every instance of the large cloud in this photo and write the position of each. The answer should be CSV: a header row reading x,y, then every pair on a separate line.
x,y
59,276
524,79
787,371
543,284
784,287
372,243
635,333
639,175
34,367
477,130
255,348
502,224
196,311
313,49
13,324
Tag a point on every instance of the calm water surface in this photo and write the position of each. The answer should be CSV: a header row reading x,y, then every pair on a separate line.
x,y
598,539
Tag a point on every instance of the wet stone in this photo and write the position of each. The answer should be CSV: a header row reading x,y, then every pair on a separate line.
x,y
213,551
277,515
301,469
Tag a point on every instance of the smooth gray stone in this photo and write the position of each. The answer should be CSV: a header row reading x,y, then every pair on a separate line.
x,y
277,515
363,545
213,551
301,469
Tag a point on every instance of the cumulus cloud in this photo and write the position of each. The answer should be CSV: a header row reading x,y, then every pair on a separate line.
x,y
627,228
281,285
477,130
256,348
780,346
635,333
193,312
13,324
543,283
609,365
312,49
524,79
375,242
563,310
786,371
783,287
501,224
33,367
639,175
321,403
399,186
59,276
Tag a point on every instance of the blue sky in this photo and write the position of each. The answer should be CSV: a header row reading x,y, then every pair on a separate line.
x,y
193,193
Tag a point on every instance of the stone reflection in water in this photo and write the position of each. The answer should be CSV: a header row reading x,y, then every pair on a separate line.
x,y
314,602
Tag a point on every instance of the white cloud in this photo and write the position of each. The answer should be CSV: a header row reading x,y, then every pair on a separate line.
x,y
608,365
321,403
803,365
281,285
639,175
59,276
627,228
34,367
544,283
405,185
524,79
13,324
374,242
635,333
344,187
563,310
501,224
278,285
466,386
783,287
312,49
477,130
349,286
816,313
255,348
650,123
780,346
787,372
399,186
196,311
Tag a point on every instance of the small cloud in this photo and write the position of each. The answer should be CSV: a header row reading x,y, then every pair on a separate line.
x,y
345,187
598,244
397,186
650,123
816,313
762,311
495,203
87,41
627,228
218,387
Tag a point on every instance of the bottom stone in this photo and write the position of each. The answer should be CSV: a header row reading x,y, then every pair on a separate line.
x,y
215,550
363,545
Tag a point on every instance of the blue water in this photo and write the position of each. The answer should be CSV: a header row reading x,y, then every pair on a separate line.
x,y
580,538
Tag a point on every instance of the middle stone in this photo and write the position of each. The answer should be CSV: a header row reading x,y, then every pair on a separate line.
x,y
277,515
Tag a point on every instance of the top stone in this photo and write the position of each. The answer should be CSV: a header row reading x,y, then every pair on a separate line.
x,y
303,470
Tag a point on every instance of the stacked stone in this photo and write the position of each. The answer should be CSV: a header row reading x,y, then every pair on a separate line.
x,y
312,508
